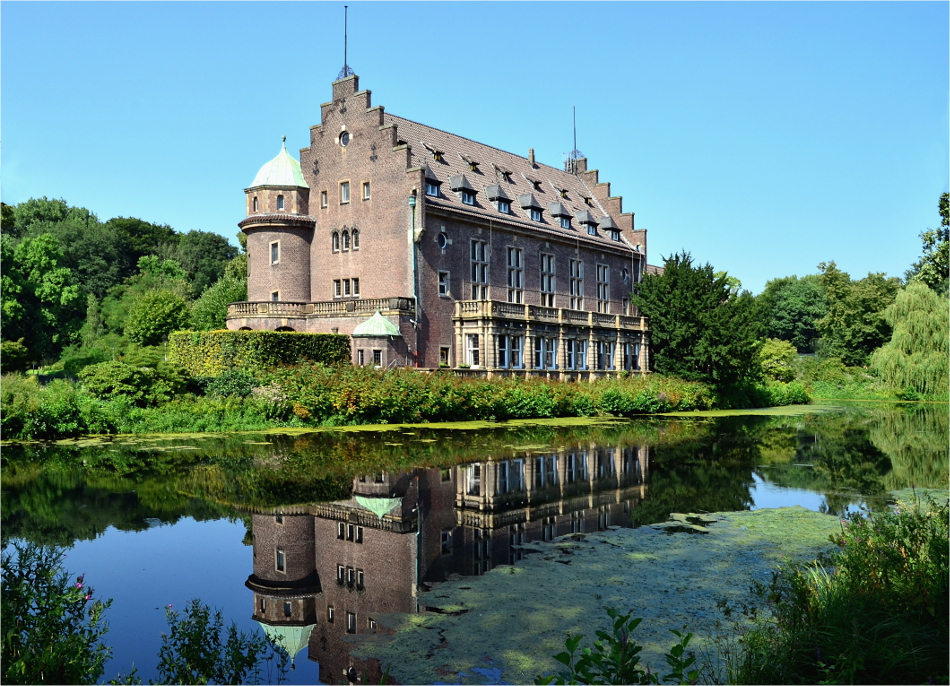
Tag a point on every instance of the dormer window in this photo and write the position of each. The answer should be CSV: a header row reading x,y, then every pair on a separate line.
x,y
496,194
565,222
504,206
432,189
530,205
468,197
535,214
615,235
591,229
584,218
280,202
460,185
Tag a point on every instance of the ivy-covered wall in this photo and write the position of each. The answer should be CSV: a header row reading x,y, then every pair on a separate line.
x,y
209,353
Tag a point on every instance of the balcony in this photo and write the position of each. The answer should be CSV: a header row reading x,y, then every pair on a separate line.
x,y
495,309
269,308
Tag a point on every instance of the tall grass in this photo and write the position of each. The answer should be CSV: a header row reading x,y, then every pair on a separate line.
x,y
875,612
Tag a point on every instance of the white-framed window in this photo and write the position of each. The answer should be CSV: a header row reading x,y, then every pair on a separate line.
x,y
565,222
323,199
625,306
473,480
366,190
280,202
603,288
344,192
345,241
582,354
605,355
356,288
479,262
337,288
360,358
547,280
340,531
280,561
504,206
275,252
468,197
577,284
330,614
501,350
631,356
335,241
615,235
444,284
569,347
432,189
350,622
545,353
535,214
355,239
515,276
360,579
591,229
346,287
517,350
472,356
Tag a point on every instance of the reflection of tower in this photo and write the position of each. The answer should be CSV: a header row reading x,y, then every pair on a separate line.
x,y
285,581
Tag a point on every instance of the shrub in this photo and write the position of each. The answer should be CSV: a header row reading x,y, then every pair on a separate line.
x,y
777,358
209,353
52,626
14,357
111,380
19,401
155,315
232,382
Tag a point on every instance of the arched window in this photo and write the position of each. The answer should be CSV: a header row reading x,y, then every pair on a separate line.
x,y
336,242
356,239
280,202
284,328
346,241
255,204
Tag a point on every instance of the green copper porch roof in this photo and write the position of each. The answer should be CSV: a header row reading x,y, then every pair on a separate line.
x,y
283,170
377,325
293,639
379,506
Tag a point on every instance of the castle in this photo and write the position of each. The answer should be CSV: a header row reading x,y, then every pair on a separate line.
x,y
432,250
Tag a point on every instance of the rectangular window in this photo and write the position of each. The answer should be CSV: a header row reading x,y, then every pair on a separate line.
x,y
346,287
350,532
547,280
350,623
502,350
517,476
472,357
366,190
550,353
444,284
356,288
625,306
615,235
344,192
377,358
323,199
330,614
468,198
515,276
569,352
582,354
479,261
473,480
432,189
445,474
504,206
535,214
443,356
577,284
280,560
359,534
565,222
350,576
359,578
337,288
359,358
603,288
340,530
340,574
263,605
275,296
516,350
591,230
605,355
275,252
446,541
288,608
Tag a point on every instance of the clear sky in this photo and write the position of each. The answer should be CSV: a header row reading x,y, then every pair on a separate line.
x,y
762,137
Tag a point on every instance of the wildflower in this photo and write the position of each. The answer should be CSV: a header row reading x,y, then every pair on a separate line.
x,y
78,584
88,597
169,605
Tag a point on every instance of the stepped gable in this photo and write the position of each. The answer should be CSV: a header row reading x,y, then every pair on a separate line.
x,y
455,158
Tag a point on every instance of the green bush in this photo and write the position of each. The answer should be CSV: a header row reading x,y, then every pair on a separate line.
x,y
210,353
876,611
19,401
777,358
232,382
140,385
155,315
52,626
14,357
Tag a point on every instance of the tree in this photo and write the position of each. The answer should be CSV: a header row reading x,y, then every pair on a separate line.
x,y
916,356
203,255
700,330
8,220
777,358
155,274
791,308
140,238
854,324
211,309
933,266
41,301
155,315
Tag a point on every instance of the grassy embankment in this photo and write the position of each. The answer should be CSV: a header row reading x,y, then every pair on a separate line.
x,y
316,395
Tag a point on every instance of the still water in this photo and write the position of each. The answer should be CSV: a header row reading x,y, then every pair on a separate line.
x,y
309,536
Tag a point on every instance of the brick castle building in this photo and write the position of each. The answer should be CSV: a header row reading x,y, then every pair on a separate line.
x,y
433,250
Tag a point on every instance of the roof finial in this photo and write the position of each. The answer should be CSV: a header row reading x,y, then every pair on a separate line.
x,y
283,140
346,71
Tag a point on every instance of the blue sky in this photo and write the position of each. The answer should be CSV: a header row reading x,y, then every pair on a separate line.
x,y
762,137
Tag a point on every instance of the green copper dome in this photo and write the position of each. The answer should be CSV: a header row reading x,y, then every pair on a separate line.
x,y
293,639
377,325
379,506
283,170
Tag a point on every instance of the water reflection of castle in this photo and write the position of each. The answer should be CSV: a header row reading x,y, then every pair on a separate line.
x,y
324,571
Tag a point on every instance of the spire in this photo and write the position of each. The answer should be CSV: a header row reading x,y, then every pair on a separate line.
x,y
345,71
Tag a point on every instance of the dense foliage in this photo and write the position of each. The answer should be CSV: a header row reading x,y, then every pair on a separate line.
x,y
700,329
933,266
212,352
791,308
876,612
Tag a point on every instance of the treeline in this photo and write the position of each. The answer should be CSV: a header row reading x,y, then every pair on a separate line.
x,y
877,336
77,290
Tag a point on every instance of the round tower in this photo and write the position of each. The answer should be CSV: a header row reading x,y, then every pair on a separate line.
x,y
279,231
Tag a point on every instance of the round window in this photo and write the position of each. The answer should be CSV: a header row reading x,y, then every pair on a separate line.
x,y
344,138
443,240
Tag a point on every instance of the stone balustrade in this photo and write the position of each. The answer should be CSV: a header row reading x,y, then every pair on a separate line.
x,y
495,309
334,307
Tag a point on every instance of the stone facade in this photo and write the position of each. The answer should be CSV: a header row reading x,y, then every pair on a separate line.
x,y
482,259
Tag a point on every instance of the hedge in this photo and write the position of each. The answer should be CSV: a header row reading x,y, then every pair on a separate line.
x,y
210,353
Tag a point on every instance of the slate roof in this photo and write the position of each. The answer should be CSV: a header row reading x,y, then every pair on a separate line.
x,y
512,173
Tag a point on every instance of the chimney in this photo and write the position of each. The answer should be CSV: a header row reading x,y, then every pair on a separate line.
x,y
531,156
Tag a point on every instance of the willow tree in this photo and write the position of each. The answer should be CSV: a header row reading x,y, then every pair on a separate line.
x,y
916,356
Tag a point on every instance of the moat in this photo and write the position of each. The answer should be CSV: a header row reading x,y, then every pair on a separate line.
x,y
323,538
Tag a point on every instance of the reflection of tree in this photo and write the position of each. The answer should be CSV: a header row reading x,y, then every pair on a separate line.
x,y
914,436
